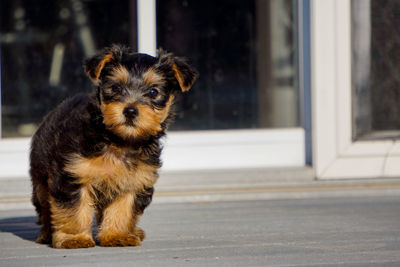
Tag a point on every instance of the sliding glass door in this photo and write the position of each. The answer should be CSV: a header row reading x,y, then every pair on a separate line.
x,y
245,108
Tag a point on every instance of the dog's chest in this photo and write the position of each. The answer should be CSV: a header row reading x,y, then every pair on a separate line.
x,y
115,168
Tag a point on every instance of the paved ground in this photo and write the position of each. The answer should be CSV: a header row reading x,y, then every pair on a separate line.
x,y
274,217
348,231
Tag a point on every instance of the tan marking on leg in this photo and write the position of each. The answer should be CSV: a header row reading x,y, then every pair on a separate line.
x,y
118,225
72,226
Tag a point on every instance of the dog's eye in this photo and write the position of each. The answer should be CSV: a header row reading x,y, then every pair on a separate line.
x,y
153,93
116,89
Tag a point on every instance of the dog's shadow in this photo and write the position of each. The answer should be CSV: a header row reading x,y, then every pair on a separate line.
x,y
23,227
26,227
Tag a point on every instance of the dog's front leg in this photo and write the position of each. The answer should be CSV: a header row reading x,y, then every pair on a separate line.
x,y
72,226
118,225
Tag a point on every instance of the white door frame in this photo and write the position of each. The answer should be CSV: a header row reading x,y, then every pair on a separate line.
x,y
193,150
335,155
147,26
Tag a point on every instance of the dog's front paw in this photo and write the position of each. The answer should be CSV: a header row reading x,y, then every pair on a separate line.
x,y
77,241
119,240
44,238
140,233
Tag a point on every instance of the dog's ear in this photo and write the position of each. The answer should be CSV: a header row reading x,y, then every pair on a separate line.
x,y
184,73
94,65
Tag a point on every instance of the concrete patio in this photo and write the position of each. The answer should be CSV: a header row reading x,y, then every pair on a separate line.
x,y
267,219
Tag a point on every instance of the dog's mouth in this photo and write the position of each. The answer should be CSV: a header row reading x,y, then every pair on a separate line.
x,y
129,122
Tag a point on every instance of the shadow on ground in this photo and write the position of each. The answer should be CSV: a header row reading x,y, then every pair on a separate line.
x,y
26,227
23,227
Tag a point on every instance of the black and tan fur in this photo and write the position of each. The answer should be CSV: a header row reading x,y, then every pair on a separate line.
x,y
97,155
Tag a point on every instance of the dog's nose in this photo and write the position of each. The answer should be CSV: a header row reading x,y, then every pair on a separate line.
x,y
130,112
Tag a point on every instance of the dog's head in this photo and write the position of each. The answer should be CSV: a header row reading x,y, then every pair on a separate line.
x,y
136,91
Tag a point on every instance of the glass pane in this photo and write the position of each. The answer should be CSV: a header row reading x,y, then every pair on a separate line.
x,y
376,68
43,44
246,53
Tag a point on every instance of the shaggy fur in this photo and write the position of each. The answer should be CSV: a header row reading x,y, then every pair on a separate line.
x,y
97,155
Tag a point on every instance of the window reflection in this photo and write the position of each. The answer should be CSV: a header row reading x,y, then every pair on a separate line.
x,y
376,68
246,53
43,44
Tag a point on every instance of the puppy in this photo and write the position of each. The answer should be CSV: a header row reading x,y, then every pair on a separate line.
x,y
99,154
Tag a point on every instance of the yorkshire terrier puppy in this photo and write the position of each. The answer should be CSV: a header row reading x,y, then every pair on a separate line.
x,y
98,155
